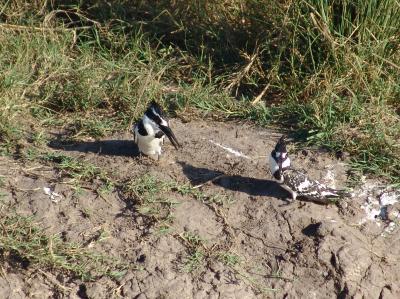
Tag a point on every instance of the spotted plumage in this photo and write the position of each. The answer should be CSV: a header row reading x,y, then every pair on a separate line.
x,y
297,182
150,131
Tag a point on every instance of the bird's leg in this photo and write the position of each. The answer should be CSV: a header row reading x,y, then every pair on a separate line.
x,y
294,195
159,151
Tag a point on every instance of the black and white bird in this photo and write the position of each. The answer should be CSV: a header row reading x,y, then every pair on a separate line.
x,y
150,131
296,181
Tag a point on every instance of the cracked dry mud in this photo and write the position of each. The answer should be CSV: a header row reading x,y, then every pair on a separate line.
x,y
297,250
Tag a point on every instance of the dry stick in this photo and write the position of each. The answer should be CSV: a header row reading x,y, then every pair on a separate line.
x,y
3,274
55,281
43,168
26,190
50,15
323,28
208,181
44,6
387,61
259,97
117,290
31,173
33,28
140,96
244,72
228,228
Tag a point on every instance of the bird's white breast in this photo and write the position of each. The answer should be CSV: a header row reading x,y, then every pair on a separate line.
x,y
148,144
273,165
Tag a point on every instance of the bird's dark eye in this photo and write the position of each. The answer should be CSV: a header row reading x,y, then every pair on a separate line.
x,y
158,120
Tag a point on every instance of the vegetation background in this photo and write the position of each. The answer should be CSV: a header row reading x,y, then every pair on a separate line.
x,y
327,72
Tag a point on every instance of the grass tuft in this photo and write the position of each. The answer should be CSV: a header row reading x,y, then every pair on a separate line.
x,y
24,243
79,171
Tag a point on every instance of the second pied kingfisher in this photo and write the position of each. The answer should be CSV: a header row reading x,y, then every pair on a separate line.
x,y
296,181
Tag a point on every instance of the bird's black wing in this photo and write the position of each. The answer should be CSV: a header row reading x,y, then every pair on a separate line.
x,y
299,182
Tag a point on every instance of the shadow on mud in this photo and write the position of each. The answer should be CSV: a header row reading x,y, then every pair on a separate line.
x,y
251,186
126,148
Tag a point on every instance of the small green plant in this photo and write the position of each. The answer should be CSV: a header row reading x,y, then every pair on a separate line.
x,y
193,261
31,154
196,251
39,138
229,259
193,240
106,188
145,188
150,192
187,189
2,181
151,196
164,229
94,127
79,171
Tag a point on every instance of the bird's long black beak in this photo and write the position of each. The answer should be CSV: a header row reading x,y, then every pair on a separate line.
x,y
171,136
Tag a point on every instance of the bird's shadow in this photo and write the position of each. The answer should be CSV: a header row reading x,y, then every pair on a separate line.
x,y
251,186
126,148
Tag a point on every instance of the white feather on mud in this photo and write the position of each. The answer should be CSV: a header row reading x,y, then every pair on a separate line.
x,y
230,150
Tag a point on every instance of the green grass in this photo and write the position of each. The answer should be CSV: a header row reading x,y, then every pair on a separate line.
x,y
155,198
196,253
22,241
329,71
194,261
196,193
74,171
152,200
78,171
229,259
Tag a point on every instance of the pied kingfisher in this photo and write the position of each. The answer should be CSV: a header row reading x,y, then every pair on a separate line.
x,y
150,131
297,182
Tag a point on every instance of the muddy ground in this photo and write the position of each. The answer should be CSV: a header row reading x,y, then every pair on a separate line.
x,y
250,242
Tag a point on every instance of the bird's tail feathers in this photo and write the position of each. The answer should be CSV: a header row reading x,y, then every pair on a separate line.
x,y
338,193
